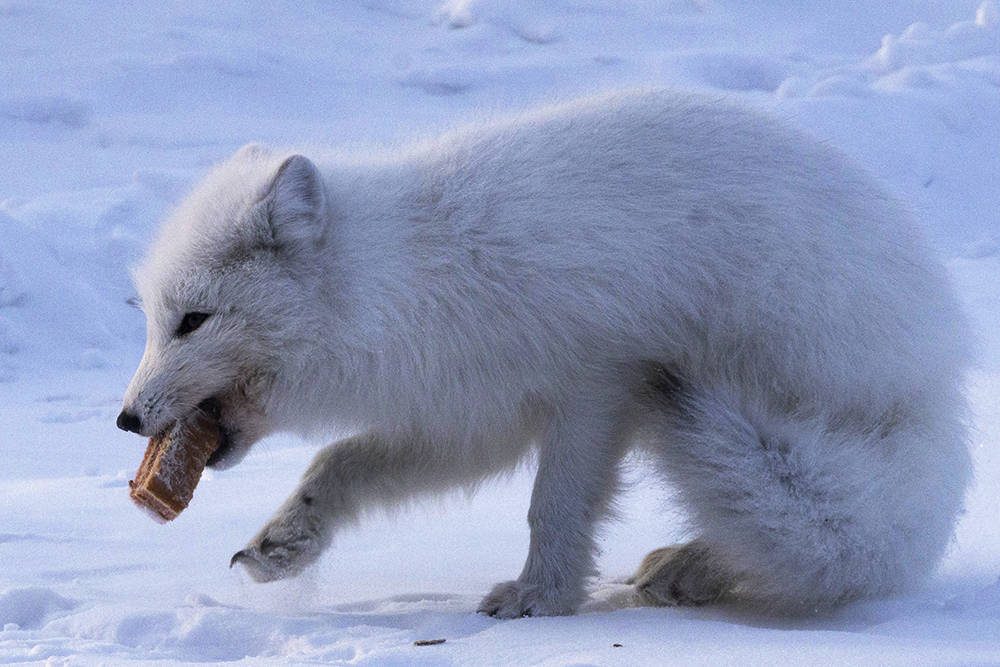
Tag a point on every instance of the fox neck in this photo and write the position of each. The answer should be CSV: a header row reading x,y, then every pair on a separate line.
x,y
376,296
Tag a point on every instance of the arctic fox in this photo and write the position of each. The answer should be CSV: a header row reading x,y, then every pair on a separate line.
x,y
634,270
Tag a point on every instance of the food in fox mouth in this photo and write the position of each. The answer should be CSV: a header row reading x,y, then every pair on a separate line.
x,y
172,467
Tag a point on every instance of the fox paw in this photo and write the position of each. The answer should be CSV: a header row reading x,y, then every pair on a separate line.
x,y
514,599
682,575
289,542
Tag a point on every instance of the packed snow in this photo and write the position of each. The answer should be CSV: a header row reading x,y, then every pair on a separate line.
x,y
110,111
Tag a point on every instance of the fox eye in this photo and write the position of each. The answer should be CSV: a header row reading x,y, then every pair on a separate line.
x,y
190,322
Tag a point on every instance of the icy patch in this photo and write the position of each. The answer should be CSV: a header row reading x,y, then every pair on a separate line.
x,y
28,607
47,110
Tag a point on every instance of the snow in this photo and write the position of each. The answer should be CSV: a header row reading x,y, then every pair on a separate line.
x,y
110,111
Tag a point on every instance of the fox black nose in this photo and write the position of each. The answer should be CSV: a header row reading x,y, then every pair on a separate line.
x,y
129,422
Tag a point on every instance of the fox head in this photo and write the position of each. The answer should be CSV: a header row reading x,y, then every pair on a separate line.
x,y
226,293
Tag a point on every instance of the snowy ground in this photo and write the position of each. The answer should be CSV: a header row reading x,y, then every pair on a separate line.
x,y
109,110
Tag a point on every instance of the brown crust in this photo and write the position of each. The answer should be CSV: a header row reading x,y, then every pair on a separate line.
x,y
172,467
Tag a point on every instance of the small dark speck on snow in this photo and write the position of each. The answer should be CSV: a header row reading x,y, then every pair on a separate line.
x,y
428,642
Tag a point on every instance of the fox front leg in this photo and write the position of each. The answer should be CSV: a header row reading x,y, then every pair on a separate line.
x,y
366,471
577,475
300,530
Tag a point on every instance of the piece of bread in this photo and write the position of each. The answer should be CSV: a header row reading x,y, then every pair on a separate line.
x,y
172,466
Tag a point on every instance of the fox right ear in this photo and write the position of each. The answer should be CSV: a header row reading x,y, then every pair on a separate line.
x,y
296,203
252,151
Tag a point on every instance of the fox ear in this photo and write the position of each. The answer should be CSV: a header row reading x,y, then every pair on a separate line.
x,y
252,151
296,203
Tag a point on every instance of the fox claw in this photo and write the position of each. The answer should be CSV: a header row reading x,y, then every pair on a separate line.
x,y
237,557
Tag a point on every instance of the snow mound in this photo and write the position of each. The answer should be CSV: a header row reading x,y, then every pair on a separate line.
x,y
455,14
48,278
921,112
27,608
917,58
738,72
920,45
204,629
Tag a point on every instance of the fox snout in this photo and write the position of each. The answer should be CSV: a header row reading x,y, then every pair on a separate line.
x,y
143,403
166,387
129,422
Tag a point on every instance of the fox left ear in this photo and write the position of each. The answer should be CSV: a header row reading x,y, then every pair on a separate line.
x,y
296,203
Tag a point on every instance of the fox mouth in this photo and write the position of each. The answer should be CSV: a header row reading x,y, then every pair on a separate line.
x,y
222,457
222,453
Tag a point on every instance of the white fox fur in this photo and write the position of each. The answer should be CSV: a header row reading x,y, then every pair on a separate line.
x,y
636,269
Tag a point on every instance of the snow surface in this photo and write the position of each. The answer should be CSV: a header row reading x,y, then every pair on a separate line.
x,y
109,111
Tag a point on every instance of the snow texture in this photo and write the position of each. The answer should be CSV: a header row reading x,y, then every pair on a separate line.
x,y
109,112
